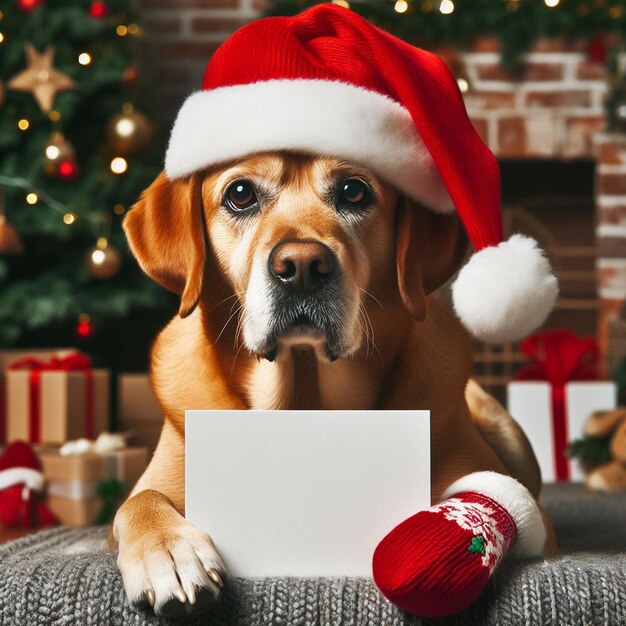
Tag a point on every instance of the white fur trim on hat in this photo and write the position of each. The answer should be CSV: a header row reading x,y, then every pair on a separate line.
x,y
26,476
518,502
505,292
316,116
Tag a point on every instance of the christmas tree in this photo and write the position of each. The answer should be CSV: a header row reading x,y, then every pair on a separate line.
x,y
75,152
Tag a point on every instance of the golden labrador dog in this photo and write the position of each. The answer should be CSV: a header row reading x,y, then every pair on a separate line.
x,y
305,282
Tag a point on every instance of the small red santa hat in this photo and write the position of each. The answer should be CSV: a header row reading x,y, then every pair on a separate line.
x,y
329,82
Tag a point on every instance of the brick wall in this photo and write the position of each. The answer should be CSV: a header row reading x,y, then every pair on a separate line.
x,y
180,36
551,108
610,232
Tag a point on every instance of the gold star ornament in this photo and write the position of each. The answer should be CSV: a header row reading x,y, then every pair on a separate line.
x,y
41,78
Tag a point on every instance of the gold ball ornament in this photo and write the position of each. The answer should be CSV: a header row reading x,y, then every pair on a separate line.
x,y
103,260
129,131
58,152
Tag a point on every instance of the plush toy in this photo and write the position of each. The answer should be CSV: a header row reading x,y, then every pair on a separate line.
x,y
21,484
603,450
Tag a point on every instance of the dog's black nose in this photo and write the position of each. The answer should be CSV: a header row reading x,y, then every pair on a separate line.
x,y
301,265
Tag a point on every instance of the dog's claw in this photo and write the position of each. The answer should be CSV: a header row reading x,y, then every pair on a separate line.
x,y
150,597
215,577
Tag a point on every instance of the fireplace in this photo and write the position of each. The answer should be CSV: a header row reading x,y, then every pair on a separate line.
x,y
552,201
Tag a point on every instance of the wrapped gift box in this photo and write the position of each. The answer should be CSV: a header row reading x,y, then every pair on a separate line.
x,y
73,481
7,357
138,411
54,405
531,404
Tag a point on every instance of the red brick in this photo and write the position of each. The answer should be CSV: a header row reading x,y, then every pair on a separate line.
x,y
216,25
587,70
558,44
486,43
612,215
611,184
183,49
529,136
162,25
147,5
554,99
527,71
490,100
612,152
481,127
512,137
579,133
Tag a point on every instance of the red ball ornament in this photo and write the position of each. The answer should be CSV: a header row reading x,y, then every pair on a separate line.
x,y
98,9
26,6
84,328
67,170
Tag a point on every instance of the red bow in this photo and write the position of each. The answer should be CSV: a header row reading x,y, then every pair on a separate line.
x,y
71,362
559,356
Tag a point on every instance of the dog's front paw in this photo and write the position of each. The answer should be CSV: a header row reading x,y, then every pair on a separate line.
x,y
169,564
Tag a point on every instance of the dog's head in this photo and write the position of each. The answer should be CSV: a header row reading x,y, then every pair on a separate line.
x,y
307,244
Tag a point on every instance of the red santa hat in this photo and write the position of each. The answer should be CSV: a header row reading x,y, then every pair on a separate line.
x,y
329,82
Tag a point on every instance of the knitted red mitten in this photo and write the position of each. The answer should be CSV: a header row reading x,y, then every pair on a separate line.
x,y
437,562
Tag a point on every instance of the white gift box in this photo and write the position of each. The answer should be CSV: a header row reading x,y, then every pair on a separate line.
x,y
530,404
304,493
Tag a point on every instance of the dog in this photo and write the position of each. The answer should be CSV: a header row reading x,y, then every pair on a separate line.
x,y
305,282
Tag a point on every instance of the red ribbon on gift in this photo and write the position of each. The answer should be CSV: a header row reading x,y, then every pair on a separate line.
x,y
72,362
558,357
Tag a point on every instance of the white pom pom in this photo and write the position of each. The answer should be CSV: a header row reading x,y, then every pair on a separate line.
x,y
506,291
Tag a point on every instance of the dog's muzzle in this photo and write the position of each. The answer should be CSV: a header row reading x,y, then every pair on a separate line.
x,y
306,294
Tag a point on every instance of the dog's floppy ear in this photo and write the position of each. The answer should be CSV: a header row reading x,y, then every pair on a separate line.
x,y
166,232
430,247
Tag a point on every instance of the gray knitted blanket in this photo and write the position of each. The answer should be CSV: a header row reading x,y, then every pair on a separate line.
x,y
64,576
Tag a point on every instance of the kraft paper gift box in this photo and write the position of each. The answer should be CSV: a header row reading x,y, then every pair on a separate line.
x,y
73,481
551,432
7,357
56,401
138,412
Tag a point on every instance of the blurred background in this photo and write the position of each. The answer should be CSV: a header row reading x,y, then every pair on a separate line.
x,y
89,90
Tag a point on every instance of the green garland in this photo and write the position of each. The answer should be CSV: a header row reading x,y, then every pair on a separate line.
x,y
516,23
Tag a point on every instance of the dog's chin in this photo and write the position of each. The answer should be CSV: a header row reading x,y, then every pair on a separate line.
x,y
305,336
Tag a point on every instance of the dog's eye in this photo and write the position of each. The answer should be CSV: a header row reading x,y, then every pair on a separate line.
x,y
354,192
240,196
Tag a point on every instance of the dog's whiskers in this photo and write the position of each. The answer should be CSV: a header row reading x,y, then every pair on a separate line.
x,y
228,321
235,295
367,293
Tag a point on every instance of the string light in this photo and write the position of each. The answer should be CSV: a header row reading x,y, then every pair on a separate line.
x,y
54,116
1,37
32,198
342,3
119,209
84,58
121,30
426,7
447,6
463,84
98,256
133,29
119,165
69,218
125,126
401,6
552,3
615,12
23,124
1,16
52,152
